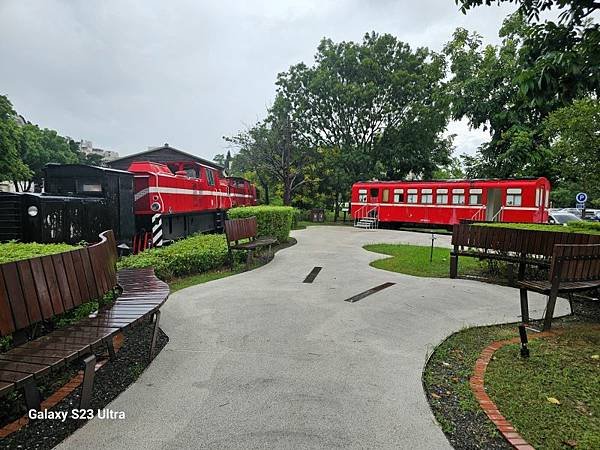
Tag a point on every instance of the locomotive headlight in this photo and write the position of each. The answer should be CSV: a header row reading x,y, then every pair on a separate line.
x,y
32,211
155,206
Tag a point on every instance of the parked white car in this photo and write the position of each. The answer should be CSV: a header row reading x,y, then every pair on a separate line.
x,y
562,217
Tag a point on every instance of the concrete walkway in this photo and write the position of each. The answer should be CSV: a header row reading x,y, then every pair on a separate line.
x,y
262,360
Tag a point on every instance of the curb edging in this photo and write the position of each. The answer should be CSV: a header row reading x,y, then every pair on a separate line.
x,y
476,382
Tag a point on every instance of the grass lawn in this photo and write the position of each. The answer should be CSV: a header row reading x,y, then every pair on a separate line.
x,y
184,282
302,224
414,260
565,368
15,251
562,367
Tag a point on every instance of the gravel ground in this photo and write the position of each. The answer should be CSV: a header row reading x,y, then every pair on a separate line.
x,y
110,380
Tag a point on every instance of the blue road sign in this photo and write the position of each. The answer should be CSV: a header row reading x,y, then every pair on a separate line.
x,y
581,197
580,205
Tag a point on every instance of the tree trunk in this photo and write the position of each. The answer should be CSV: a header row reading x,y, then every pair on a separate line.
x,y
266,189
287,192
336,207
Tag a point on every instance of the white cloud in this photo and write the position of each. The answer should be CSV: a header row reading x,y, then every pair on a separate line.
x,y
130,74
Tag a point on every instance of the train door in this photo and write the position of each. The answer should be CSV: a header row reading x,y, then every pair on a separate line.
x,y
494,205
374,200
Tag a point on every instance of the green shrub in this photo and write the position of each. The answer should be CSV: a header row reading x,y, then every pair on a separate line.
x,y
585,226
275,221
572,227
15,251
195,254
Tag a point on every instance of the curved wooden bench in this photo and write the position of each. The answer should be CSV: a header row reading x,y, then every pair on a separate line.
x,y
41,288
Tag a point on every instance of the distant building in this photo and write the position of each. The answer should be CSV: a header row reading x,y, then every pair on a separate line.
x,y
88,148
161,154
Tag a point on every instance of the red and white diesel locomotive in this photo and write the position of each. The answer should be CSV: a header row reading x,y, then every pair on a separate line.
x,y
447,202
179,198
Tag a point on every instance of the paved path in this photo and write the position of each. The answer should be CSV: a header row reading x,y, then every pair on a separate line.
x,y
262,360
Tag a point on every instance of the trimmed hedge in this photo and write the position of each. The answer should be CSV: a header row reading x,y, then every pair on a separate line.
x,y
195,254
571,227
275,221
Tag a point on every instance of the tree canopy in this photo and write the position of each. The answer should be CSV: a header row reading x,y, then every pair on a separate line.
x,y
26,148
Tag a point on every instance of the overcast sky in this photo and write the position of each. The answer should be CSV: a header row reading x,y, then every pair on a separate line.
x,y
132,74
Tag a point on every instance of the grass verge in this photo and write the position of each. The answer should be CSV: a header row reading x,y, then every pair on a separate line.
x,y
414,260
181,283
560,367
552,398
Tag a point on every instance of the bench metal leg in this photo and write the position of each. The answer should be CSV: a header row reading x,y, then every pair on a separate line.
x,y
110,347
154,333
550,310
524,306
453,266
249,259
33,399
511,273
570,297
88,381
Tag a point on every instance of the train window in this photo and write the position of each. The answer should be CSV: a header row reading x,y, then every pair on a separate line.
x,y
210,177
426,196
398,195
374,192
458,196
412,196
386,196
91,188
475,197
513,197
441,196
362,195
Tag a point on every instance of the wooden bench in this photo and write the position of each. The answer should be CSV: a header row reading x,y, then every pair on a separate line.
x,y
237,230
573,268
39,289
522,247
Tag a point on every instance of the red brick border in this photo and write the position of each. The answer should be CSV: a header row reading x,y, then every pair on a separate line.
x,y
59,395
489,407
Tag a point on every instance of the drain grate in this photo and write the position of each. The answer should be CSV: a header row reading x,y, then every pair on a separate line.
x,y
371,291
312,275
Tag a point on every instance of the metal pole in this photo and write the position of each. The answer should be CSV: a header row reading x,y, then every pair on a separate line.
x,y
523,336
431,254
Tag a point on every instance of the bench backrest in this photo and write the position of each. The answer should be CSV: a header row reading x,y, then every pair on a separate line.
x,y
530,242
37,289
576,263
238,229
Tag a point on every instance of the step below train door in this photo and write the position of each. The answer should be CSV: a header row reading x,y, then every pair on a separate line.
x,y
494,205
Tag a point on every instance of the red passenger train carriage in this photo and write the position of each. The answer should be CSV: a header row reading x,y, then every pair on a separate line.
x,y
447,202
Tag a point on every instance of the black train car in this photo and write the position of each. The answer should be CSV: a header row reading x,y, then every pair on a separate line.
x,y
78,203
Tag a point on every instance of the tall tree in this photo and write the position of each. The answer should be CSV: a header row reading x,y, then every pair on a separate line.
x,y
573,134
485,90
561,58
274,149
364,101
38,147
11,165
